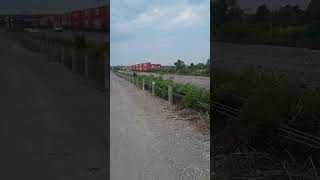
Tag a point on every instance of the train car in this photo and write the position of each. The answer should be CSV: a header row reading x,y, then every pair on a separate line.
x,y
57,20
69,20
155,67
64,20
76,19
44,22
88,21
101,18
145,67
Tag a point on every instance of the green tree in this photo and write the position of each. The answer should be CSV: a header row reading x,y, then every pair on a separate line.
x,y
208,62
262,14
180,64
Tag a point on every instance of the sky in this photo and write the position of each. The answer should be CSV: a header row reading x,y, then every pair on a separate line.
x,y
46,7
159,31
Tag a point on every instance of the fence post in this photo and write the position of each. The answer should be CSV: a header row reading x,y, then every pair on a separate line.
x,y
54,50
86,66
49,50
142,84
153,83
62,54
73,59
170,94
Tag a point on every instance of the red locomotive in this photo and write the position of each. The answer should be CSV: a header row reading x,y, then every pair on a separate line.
x,y
145,67
85,19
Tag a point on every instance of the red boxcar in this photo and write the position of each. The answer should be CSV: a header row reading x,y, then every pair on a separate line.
x,y
100,18
76,19
155,67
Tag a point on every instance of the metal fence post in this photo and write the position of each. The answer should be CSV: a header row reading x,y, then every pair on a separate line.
x,y
153,83
170,94
142,84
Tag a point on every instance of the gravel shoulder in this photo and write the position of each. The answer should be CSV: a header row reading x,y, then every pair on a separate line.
x,y
149,141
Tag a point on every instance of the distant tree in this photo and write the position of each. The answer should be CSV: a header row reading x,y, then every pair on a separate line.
x,y
262,14
289,15
180,64
200,66
191,65
314,9
208,62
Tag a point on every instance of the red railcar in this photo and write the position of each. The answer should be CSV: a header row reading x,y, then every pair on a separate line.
x,y
146,67
76,19
100,18
89,19
155,67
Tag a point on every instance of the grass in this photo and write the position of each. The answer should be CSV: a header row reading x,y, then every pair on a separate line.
x,y
270,102
205,71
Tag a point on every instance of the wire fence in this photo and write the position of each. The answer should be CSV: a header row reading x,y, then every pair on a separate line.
x,y
165,92
285,131
88,62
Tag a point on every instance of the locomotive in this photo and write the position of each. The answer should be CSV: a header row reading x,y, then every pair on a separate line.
x,y
86,19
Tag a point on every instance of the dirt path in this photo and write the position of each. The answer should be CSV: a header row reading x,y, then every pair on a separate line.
x,y
148,141
52,125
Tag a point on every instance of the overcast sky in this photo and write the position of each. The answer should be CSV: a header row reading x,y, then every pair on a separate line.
x,y
45,6
159,31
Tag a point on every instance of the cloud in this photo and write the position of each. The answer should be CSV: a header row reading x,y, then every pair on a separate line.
x,y
162,31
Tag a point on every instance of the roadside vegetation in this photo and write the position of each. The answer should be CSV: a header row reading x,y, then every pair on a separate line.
x,y
200,69
261,113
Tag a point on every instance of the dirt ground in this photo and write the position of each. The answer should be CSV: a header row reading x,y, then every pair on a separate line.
x,y
150,141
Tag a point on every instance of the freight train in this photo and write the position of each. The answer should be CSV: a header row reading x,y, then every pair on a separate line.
x,y
145,67
86,19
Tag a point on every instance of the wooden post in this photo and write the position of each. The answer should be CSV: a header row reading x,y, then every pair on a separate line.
x,y
170,92
142,84
153,84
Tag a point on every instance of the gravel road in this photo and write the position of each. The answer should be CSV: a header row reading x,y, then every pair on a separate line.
x,y
52,123
149,141
298,63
